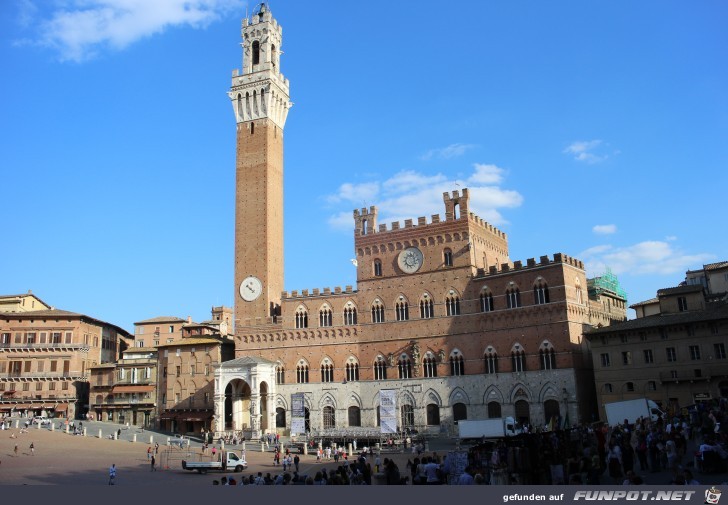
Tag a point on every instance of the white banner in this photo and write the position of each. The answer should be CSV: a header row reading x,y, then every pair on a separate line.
x,y
388,410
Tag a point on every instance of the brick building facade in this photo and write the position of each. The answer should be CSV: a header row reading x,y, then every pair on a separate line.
x,y
46,357
440,312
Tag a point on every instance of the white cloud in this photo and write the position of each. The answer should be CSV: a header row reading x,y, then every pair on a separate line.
x,y
671,238
605,229
643,258
359,194
79,29
445,153
583,151
409,195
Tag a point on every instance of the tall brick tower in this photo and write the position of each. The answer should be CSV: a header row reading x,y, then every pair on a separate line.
x,y
260,101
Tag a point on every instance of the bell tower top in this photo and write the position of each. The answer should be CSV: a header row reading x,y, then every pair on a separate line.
x,y
261,90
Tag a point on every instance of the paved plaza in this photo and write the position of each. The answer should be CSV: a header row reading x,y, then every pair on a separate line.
x,y
60,458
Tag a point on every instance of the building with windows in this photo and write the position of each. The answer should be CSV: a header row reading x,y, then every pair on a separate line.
x,y
125,391
22,303
158,330
673,353
440,312
185,389
46,356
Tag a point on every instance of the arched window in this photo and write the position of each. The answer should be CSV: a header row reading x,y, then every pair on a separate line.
x,y
486,301
256,52
523,411
354,416
273,55
301,317
377,312
494,410
429,364
405,367
380,369
457,364
280,417
447,257
459,412
349,315
325,318
327,372
491,361
452,303
301,373
402,309
518,360
280,375
408,416
541,293
329,417
352,371
513,298
426,307
433,415
547,357
377,268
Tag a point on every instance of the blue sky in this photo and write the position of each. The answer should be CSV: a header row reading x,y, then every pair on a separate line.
x,y
597,129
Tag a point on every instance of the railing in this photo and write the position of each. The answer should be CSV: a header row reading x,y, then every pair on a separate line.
x,y
35,345
42,375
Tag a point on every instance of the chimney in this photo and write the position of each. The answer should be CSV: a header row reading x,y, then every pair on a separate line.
x,y
189,319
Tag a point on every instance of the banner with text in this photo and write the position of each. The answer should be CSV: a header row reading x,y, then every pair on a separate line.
x,y
388,410
298,414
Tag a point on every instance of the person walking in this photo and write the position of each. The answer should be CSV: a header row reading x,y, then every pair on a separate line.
x,y
154,463
112,475
296,461
32,449
16,449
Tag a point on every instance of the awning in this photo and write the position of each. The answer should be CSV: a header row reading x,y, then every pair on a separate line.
x,y
194,416
8,393
20,406
133,389
168,416
61,407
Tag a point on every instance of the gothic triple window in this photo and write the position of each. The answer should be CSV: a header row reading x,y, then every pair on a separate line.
x,y
377,312
541,293
547,357
325,317
426,308
518,360
302,373
429,365
402,310
280,375
327,371
349,315
352,371
405,367
491,361
486,301
301,318
457,364
452,303
513,298
380,369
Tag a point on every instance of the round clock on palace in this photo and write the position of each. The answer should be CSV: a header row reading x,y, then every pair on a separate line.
x,y
410,260
251,288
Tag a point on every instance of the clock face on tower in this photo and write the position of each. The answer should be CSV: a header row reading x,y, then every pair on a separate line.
x,y
251,288
410,260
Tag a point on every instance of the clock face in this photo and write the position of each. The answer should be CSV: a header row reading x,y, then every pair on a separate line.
x,y
251,288
410,260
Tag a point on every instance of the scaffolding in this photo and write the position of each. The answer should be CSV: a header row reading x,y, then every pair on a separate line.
x,y
607,283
